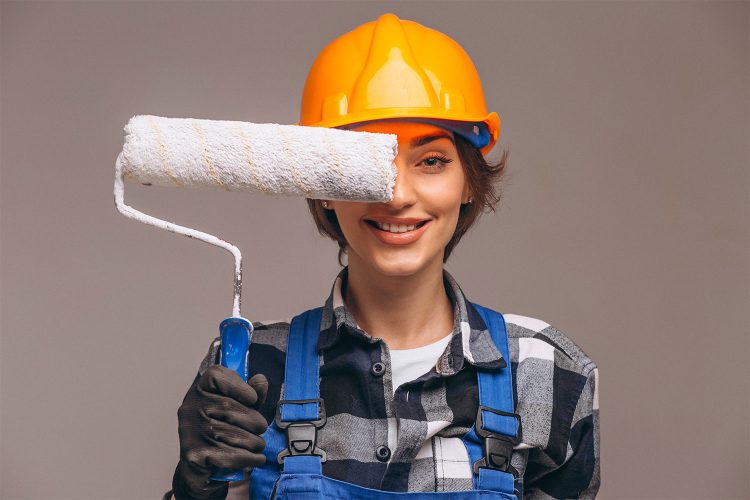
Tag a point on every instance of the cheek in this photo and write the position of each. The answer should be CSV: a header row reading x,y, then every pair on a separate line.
x,y
443,196
445,199
348,214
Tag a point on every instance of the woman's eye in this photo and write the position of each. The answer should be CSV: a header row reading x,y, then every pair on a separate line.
x,y
436,161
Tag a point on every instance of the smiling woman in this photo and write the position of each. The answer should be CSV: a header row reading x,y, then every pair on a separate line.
x,y
399,385
482,178
430,189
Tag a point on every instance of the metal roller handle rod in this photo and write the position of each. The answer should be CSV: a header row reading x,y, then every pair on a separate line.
x,y
128,211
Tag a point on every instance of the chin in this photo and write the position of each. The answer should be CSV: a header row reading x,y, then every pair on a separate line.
x,y
399,265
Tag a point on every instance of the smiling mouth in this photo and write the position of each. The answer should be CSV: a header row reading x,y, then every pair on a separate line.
x,y
395,228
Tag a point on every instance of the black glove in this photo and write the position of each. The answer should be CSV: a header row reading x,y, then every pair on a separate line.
x,y
219,427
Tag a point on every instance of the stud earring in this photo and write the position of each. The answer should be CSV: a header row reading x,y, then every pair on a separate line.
x,y
324,203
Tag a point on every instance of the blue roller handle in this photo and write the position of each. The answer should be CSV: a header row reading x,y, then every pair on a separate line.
x,y
235,340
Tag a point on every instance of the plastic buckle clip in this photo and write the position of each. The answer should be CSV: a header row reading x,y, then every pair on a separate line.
x,y
302,436
498,448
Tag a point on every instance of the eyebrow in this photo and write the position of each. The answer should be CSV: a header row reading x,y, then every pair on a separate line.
x,y
425,139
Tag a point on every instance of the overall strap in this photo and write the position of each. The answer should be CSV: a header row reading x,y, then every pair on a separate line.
x,y
302,369
301,413
497,428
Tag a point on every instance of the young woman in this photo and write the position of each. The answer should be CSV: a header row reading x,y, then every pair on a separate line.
x,y
399,385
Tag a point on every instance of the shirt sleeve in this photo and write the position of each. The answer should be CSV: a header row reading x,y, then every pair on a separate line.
x,y
578,476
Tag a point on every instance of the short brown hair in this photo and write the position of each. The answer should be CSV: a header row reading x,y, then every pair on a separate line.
x,y
484,184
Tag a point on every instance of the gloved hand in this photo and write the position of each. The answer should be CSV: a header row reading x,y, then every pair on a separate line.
x,y
219,427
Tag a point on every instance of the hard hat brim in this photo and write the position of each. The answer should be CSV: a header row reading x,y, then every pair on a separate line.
x,y
491,121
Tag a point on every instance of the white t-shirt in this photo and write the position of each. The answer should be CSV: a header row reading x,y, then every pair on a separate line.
x,y
410,364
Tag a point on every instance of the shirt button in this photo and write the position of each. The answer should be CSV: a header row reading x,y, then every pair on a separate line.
x,y
378,369
383,453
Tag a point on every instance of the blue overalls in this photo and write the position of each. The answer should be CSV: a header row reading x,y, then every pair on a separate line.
x,y
293,468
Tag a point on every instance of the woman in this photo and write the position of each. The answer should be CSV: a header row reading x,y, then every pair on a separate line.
x,y
399,383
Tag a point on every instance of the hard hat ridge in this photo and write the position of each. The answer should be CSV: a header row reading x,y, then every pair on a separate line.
x,y
391,65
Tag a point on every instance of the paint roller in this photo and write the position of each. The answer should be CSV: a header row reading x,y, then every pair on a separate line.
x,y
313,162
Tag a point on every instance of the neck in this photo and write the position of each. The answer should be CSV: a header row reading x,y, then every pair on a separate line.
x,y
404,311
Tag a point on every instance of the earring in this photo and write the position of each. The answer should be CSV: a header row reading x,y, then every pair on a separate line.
x,y
471,200
324,203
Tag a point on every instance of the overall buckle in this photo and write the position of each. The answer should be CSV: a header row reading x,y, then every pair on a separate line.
x,y
302,436
498,448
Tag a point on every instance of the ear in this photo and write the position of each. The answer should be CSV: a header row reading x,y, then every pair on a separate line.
x,y
466,196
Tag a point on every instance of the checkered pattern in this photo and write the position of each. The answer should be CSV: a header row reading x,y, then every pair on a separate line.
x,y
555,389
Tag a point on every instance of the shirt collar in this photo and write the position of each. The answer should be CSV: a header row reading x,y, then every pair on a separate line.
x,y
470,342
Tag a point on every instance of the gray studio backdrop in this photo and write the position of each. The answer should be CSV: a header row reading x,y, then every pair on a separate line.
x,y
624,223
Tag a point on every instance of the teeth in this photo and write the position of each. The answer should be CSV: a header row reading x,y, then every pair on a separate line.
x,y
395,228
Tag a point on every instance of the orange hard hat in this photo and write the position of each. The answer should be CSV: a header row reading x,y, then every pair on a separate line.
x,y
394,69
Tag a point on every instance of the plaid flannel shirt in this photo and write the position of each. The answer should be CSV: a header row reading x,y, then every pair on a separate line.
x,y
554,385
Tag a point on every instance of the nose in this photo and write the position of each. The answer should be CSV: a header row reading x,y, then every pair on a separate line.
x,y
404,194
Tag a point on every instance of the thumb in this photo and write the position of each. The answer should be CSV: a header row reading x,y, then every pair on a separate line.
x,y
259,383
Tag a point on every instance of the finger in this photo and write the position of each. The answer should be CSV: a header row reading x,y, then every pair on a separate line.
x,y
222,455
233,413
229,457
259,382
222,433
230,410
220,380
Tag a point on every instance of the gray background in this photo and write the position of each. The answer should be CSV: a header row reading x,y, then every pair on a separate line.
x,y
625,222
